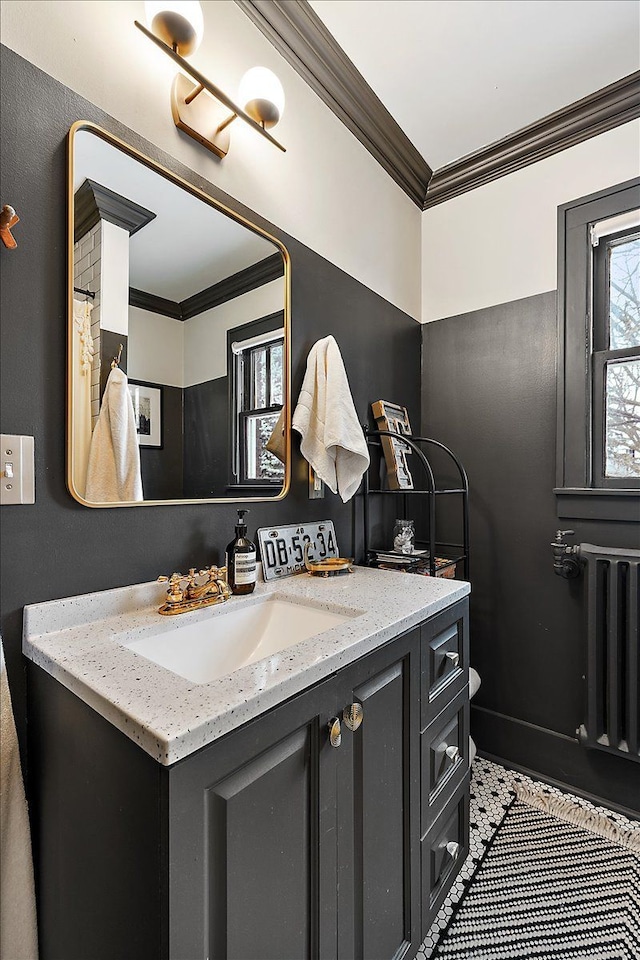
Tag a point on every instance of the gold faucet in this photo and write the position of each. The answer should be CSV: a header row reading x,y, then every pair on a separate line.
x,y
190,591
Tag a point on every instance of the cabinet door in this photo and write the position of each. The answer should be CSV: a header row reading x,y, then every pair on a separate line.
x,y
252,840
378,806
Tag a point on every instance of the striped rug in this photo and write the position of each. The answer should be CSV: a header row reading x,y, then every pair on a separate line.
x,y
555,882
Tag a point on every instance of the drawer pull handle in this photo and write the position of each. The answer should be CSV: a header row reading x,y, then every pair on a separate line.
x,y
453,849
353,716
453,753
453,656
335,733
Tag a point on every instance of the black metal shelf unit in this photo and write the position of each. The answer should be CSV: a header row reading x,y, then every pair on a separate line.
x,y
455,553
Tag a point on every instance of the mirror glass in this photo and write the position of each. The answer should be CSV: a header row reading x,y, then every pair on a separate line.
x,y
178,338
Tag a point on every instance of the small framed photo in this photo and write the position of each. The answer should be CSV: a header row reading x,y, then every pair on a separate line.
x,y
147,409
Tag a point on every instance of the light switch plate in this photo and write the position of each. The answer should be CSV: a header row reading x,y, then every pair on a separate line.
x,y
316,486
17,472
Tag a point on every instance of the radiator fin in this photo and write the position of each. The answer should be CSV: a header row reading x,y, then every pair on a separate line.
x,y
613,665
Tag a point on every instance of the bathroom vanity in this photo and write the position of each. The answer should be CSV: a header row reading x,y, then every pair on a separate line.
x,y
241,816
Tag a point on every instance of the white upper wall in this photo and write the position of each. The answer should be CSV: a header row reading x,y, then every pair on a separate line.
x,y
498,243
205,336
182,353
155,349
326,190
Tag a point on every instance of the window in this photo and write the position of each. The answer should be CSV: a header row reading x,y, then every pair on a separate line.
x,y
616,359
598,450
258,391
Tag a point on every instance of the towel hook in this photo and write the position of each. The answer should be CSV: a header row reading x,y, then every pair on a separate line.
x,y
116,360
8,219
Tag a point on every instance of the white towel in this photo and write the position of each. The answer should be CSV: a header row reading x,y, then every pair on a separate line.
x,y
82,352
18,935
332,437
113,473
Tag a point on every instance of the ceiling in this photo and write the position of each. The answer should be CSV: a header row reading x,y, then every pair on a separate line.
x,y
459,74
189,245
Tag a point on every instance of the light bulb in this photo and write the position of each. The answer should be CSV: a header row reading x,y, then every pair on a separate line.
x,y
262,97
178,23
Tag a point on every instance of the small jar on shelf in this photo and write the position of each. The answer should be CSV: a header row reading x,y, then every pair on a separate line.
x,y
404,536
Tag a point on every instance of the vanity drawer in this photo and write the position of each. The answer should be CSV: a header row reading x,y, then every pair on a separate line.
x,y
443,851
444,658
445,756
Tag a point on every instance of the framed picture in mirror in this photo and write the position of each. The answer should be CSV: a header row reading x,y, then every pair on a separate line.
x,y
147,411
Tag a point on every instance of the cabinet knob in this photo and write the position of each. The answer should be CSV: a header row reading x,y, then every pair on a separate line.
x,y
453,656
353,715
452,752
335,732
453,849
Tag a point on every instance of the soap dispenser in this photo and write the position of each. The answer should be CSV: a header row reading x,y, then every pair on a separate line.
x,y
241,559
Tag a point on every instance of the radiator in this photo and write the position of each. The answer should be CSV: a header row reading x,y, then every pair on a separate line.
x,y
613,633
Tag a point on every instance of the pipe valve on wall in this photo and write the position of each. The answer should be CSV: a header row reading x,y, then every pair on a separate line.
x,y
566,557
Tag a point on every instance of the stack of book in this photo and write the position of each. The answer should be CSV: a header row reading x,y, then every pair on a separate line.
x,y
416,562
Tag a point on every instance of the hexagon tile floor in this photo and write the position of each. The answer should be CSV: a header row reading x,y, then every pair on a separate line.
x,y
491,793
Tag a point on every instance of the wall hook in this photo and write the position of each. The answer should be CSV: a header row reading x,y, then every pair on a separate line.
x,y
8,219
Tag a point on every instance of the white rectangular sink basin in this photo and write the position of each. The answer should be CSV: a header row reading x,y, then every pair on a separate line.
x,y
217,646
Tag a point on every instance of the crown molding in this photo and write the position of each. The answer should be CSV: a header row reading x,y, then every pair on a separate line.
x,y
264,271
154,303
600,111
93,202
300,36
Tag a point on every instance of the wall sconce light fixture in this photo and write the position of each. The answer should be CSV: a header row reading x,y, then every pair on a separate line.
x,y
200,108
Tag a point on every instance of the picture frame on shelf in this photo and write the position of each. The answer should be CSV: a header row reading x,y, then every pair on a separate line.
x,y
395,418
147,409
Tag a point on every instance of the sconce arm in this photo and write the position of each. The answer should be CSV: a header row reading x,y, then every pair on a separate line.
x,y
206,84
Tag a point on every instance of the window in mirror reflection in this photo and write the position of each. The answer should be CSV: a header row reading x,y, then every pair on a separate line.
x,y
258,389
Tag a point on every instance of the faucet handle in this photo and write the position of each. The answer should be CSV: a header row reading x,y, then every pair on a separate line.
x,y
175,593
560,534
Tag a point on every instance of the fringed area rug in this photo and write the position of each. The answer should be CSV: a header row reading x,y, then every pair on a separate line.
x,y
556,881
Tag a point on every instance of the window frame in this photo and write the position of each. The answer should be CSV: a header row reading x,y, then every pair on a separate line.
x,y
577,493
602,354
238,417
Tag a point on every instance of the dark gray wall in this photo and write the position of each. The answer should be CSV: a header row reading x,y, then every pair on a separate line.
x,y
206,438
161,469
56,547
489,393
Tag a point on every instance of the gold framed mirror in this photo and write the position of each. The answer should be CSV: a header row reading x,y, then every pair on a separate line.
x,y
179,342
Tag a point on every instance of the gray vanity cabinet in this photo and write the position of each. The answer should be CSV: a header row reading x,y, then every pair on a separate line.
x,y
252,851
378,806
270,843
284,847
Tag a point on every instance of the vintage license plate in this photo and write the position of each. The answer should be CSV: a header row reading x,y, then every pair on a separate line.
x,y
282,548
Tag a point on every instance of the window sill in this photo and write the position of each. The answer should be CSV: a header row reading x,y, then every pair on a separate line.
x,y
584,503
239,487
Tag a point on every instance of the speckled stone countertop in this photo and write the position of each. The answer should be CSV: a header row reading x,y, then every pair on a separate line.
x,y
79,641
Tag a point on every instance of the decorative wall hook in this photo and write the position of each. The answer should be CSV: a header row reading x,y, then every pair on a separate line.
x,y
8,219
